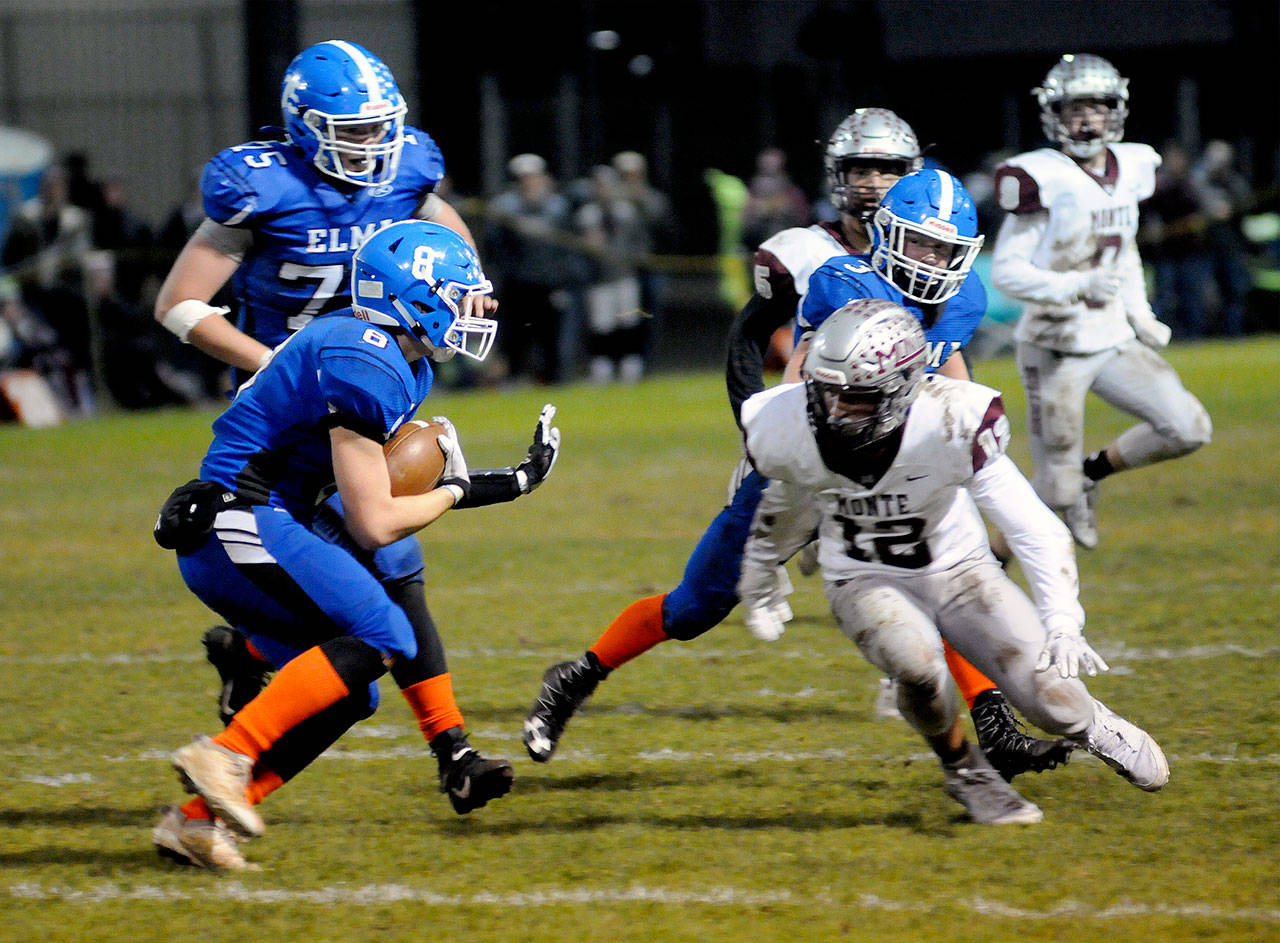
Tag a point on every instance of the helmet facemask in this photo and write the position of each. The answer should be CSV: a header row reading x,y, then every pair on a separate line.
x,y
379,159
895,250
1083,78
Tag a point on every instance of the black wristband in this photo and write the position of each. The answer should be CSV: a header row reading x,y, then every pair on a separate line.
x,y
490,486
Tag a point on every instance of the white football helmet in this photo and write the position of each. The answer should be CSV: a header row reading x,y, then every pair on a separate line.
x,y
869,135
864,369
1082,76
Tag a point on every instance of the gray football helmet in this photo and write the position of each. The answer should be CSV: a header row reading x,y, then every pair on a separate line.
x,y
869,135
1082,76
863,370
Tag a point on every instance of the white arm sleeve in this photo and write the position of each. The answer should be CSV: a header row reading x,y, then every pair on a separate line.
x,y
1038,539
1013,272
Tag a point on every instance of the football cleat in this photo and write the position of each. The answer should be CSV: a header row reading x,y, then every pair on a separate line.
x,y
467,778
887,699
989,800
221,777
564,688
243,675
203,843
1008,749
1126,748
1082,517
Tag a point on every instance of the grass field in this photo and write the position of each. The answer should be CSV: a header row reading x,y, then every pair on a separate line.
x,y
723,790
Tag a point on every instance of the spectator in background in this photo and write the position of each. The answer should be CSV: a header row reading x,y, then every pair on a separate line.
x,y
660,228
774,202
1227,198
119,230
617,327
528,244
45,251
1173,227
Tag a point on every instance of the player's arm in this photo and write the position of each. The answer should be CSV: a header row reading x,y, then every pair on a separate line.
x,y
499,485
1133,295
209,258
375,518
1013,272
434,209
750,337
954,367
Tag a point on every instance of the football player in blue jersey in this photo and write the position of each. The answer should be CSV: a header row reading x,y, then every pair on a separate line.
x,y
251,548
925,244
284,218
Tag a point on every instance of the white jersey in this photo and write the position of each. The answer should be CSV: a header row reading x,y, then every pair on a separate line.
x,y
1063,224
920,516
784,262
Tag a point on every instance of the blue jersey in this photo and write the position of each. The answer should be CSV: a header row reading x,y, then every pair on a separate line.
x,y
272,447
305,226
850,277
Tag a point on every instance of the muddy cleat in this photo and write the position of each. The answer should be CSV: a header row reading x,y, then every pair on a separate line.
x,y
203,843
1082,517
243,675
221,777
1126,748
989,800
1008,748
564,688
466,777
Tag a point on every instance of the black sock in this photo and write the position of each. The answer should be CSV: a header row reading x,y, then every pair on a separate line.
x,y
1097,466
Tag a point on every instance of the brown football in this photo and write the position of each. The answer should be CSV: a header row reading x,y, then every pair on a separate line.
x,y
414,458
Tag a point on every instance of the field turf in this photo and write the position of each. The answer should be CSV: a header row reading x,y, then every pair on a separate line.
x,y
722,790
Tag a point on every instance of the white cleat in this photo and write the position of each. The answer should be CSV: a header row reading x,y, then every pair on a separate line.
x,y
989,800
204,843
887,699
1082,517
1126,748
222,777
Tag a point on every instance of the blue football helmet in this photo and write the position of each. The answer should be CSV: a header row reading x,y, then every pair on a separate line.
x,y
928,206
863,370
423,278
343,111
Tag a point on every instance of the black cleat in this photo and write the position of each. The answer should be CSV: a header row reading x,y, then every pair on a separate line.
x,y
1008,749
243,675
466,777
564,687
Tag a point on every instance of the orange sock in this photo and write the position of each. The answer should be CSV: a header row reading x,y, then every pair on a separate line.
x,y
432,703
636,630
301,689
969,679
265,782
196,808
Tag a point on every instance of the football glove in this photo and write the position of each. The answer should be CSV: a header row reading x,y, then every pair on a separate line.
x,y
1066,649
764,592
543,453
1155,334
455,476
1099,285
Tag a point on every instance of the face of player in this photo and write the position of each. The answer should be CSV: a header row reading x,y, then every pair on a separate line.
x,y
852,404
1085,118
871,180
921,248
371,133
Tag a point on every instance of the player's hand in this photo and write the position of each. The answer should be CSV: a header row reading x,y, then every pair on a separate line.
x,y
543,453
1099,286
764,591
1066,649
455,463
1155,334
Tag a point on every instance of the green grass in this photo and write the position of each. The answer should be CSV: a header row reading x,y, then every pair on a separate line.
x,y
717,791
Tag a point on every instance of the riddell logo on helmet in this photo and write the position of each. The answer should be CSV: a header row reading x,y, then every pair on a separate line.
x,y
826,375
933,224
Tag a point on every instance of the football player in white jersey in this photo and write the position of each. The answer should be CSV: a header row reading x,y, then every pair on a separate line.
x,y
1067,250
893,458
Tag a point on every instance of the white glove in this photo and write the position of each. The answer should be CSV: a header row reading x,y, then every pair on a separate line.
x,y
764,592
455,476
1066,648
1099,286
1155,334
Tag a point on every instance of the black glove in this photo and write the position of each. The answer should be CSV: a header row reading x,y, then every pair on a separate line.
x,y
543,453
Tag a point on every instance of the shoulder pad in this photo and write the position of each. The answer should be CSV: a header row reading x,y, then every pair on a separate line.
x,y
242,181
